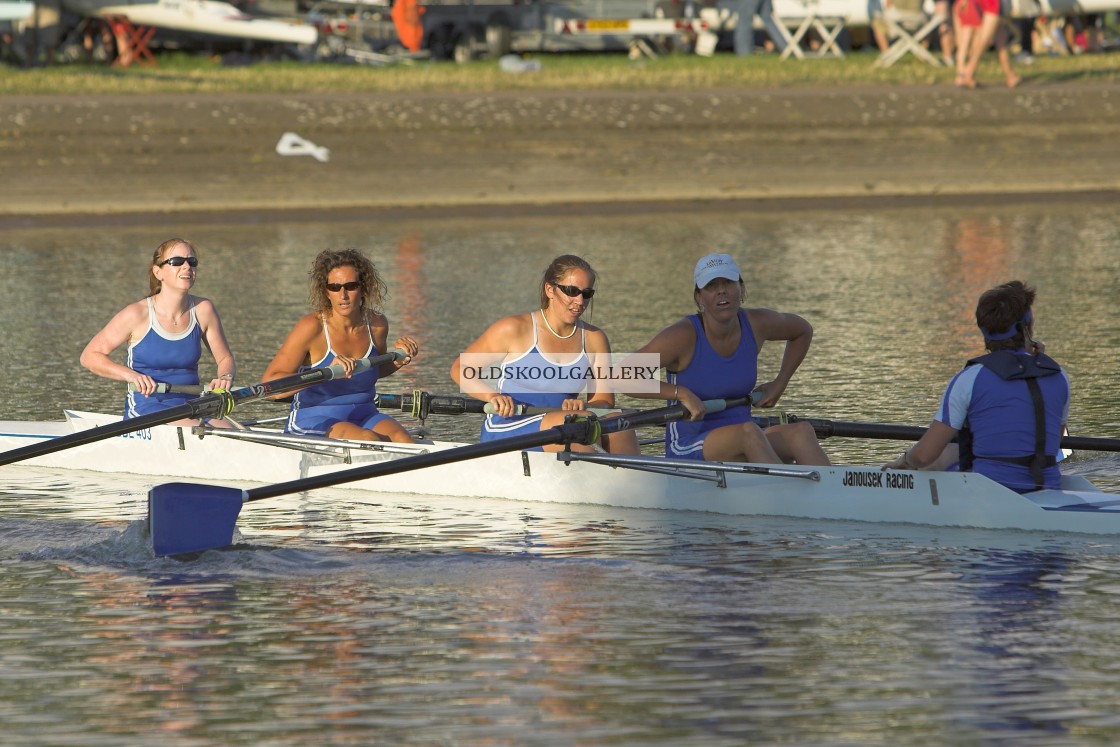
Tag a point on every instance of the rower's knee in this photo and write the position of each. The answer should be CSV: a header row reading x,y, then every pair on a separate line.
x,y
801,429
751,433
623,442
391,430
755,446
796,442
351,432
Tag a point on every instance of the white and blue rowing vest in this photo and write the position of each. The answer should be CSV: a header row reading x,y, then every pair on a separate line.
x,y
315,409
534,380
169,358
710,375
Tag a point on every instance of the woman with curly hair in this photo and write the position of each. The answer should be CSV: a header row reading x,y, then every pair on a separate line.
x,y
344,325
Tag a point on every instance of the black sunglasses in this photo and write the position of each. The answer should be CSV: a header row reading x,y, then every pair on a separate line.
x,y
572,291
352,286
179,261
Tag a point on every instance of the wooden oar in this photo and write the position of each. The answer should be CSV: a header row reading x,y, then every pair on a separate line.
x,y
212,405
840,429
187,517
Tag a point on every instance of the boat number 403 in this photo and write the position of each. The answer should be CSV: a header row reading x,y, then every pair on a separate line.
x,y
144,434
878,479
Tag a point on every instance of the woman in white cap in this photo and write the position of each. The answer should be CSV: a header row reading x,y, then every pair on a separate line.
x,y
713,354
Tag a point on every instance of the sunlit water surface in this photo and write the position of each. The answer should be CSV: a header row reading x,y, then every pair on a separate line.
x,y
428,621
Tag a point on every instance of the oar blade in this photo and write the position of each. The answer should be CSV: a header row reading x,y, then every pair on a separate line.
x,y
185,518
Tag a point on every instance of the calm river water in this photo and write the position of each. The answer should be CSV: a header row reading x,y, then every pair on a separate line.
x,y
439,622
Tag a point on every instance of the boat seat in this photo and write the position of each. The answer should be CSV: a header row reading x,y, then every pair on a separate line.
x,y
132,41
908,27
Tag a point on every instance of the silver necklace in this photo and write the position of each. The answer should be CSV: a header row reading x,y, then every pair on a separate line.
x,y
544,317
176,320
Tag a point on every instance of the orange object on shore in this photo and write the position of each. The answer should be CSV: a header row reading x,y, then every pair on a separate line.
x,y
132,41
410,27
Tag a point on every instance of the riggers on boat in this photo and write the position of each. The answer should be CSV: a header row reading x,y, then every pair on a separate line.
x,y
841,492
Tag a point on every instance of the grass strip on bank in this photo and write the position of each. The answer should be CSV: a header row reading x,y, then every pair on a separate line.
x,y
182,73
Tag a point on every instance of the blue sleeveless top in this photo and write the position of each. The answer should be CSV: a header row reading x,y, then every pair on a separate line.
x,y
532,379
315,409
711,376
169,358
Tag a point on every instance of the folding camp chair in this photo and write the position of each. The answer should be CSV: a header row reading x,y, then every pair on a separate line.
x,y
909,25
828,31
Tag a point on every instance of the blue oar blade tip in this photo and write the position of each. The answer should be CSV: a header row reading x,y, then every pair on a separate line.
x,y
185,518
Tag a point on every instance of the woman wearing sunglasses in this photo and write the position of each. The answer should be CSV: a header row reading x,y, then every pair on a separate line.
x,y
345,325
165,333
543,358
713,354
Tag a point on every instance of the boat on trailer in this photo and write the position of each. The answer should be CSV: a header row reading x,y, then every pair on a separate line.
x,y
265,455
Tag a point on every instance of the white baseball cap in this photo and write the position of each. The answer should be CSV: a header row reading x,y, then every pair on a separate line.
x,y
715,266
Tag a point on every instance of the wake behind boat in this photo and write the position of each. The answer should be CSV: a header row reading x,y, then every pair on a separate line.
x,y
263,455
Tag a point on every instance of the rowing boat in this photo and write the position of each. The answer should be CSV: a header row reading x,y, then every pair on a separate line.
x,y
264,455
